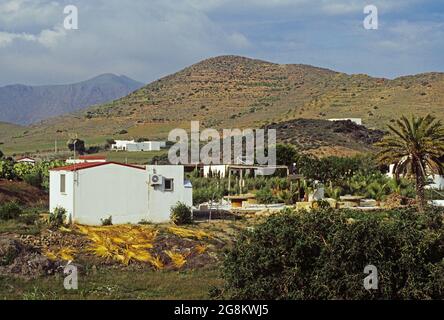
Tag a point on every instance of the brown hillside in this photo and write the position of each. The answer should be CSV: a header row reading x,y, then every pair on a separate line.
x,y
231,91
22,193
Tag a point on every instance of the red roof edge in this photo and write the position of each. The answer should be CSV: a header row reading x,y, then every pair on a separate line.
x,y
87,165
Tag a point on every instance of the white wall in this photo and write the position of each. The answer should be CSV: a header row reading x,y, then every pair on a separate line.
x,y
57,199
438,182
121,144
216,169
161,201
119,191
111,190
143,146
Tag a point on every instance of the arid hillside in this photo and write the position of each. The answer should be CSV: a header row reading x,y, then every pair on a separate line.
x,y
232,91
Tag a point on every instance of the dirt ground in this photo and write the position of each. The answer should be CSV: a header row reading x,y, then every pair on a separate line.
x,y
160,247
23,193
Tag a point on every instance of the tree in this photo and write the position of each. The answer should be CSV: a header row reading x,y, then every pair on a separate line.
x,y
1,154
414,147
76,145
286,154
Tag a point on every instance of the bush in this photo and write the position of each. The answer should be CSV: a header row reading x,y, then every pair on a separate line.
x,y
57,217
107,221
181,214
322,255
9,211
28,218
266,196
33,179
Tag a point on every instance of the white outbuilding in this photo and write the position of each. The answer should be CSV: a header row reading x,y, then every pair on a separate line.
x,y
27,160
90,192
133,146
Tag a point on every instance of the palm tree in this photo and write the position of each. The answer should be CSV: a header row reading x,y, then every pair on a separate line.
x,y
414,147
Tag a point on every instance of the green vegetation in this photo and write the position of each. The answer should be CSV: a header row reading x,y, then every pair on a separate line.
x,y
10,211
36,175
359,175
57,217
181,214
322,255
115,284
415,146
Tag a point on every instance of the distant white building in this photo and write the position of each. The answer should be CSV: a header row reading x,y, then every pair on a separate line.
x,y
86,159
26,160
355,120
93,191
132,146
121,144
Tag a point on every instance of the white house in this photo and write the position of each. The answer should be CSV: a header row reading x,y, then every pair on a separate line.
x,y
93,191
133,146
355,120
143,146
26,160
87,159
121,144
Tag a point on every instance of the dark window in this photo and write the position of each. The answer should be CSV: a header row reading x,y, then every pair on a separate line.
x,y
168,184
62,183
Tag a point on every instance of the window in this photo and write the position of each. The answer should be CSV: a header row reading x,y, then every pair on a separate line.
x,y
62,183
168,184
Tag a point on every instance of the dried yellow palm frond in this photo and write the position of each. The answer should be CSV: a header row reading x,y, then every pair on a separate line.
x,y
118,240
142,256
142,246
83,229
101,251
128,255
201,248
63,229
188,233
157,263
67,254
177,258
50,255
119,257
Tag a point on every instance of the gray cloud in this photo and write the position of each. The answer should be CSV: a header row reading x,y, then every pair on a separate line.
x,y
149,39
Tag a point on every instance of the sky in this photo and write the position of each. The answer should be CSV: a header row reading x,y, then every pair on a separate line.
x,y
148,39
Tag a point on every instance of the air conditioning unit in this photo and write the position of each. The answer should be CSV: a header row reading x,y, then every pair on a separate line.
x,y
155,179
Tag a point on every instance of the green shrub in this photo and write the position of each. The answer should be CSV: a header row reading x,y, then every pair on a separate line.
x,y
322,255
10,210
57,217
33,179
181,214
107,221
28,218
266,196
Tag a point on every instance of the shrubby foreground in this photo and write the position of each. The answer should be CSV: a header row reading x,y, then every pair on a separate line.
x,y
322,255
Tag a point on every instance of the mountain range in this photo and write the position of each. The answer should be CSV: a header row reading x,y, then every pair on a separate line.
x,y
22,104
239,92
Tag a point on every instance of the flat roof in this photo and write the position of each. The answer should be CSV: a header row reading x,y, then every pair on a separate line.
x,y
88,165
